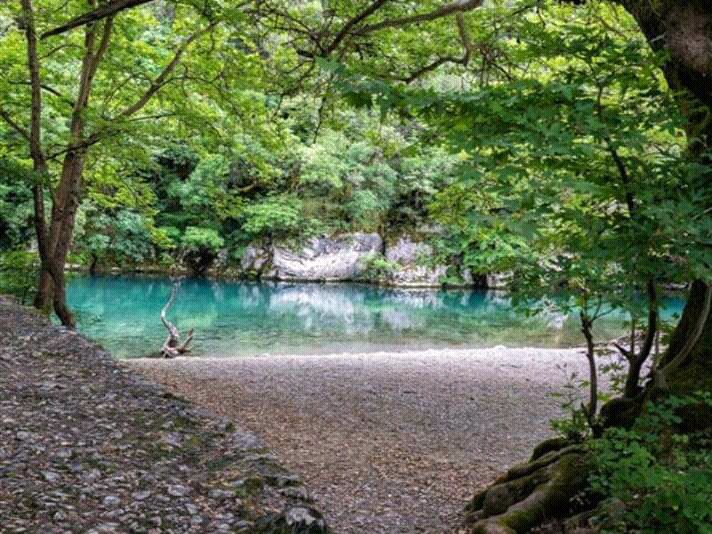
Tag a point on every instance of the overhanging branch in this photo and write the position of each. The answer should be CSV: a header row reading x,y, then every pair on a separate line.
x,y
459,6
98,14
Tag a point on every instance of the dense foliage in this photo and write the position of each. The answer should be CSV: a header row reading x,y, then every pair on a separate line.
x,y
661,474
549,140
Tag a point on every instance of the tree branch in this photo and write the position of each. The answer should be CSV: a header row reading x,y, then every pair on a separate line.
x,y
163,77
341,35
464,60
14,125
459,6
106,10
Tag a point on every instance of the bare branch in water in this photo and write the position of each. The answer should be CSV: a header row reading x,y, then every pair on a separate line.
x,y
173,347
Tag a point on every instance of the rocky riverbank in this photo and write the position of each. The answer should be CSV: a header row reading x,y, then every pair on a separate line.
x,y
86,445
387,442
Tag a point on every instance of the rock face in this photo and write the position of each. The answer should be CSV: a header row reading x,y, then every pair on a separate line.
x,y
326,259
255,259
347,257
498,280
413,268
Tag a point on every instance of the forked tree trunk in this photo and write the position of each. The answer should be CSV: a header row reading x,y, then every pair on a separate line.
x,y
173,346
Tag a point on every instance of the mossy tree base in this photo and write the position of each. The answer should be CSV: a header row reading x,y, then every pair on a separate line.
x,y
546,487
551,485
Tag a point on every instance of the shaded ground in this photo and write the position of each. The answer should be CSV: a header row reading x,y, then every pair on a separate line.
x,y
386,443
88,446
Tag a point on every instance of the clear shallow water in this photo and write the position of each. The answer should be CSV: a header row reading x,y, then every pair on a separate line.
x,y
243,318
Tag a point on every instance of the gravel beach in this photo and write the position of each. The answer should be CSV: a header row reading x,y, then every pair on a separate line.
x,y
89,446
386,442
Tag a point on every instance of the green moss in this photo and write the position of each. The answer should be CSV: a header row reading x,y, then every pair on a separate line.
x,y
522,520
550,445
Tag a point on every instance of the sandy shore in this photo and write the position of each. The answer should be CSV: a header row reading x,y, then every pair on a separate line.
x,y
386,442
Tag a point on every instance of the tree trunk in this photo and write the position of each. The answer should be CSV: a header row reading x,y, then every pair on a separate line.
x,y
93,264
687,364
683,31
44,295
64,210
60,294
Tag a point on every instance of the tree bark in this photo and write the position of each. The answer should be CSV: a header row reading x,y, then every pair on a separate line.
x,y
43,296
687,363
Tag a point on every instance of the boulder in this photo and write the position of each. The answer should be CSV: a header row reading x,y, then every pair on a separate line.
x,y
498,280
255,259
339,258
295,520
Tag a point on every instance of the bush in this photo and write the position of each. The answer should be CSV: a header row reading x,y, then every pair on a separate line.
x,y
201,246
18,274
376,267
663,477
274,217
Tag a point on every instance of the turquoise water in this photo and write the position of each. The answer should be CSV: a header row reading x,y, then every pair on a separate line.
x,y
242,318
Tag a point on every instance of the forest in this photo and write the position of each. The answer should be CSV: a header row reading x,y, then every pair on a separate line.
x,y
555,146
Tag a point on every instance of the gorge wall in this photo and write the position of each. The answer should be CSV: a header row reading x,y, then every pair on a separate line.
x,y
359,257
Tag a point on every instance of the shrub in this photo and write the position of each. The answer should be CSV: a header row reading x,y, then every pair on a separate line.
x,y
376,267
201,247
663,477
18,274
274,217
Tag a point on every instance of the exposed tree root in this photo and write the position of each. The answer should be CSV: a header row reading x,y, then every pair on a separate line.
x,y
533,492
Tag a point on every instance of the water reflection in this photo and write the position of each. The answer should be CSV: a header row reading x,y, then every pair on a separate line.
x,y
236,318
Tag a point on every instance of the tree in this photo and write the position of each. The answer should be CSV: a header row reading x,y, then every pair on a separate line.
x,y
572,176
122,104
54,239
588,172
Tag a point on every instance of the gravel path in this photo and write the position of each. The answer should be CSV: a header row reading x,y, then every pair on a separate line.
x,y
89,446
385,442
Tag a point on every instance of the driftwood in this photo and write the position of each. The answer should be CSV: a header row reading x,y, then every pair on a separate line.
x,y
173,347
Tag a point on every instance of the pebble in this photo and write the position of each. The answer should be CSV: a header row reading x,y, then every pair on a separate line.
x,y
111,501
178,491
389,442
